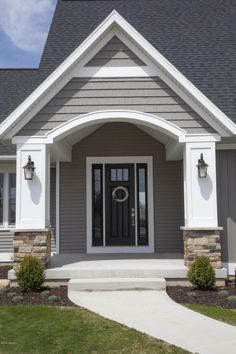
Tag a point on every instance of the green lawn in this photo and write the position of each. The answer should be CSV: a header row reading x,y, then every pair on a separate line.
x,y
218,313
38,329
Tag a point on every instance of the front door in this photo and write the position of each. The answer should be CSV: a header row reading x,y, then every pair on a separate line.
x,y
120,205
120,213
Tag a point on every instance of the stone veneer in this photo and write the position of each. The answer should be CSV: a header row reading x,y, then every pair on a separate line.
x,y
35,243
202,242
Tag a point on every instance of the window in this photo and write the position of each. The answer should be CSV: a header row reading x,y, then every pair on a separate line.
x,y
12,199
142,204
119,174
97,205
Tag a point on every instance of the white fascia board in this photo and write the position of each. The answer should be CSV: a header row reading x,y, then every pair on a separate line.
x,y
31,140
218,117
201,138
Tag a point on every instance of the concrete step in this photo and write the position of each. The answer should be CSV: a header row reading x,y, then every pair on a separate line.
x,y
103,284
122,269
90,273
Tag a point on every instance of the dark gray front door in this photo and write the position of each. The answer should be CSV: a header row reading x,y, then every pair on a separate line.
x,y
120,205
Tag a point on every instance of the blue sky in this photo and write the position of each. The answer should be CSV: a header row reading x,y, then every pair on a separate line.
x,y
24,26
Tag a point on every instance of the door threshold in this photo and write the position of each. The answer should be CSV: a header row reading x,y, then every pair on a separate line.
x,y
121,249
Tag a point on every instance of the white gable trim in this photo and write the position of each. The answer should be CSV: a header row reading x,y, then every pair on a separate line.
x,y
219,120
127,116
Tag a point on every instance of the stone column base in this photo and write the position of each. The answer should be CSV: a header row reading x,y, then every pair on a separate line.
x,y
36,243
200,241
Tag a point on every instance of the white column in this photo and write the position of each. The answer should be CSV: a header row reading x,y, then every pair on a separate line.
x,y
200,193
33,196
57,207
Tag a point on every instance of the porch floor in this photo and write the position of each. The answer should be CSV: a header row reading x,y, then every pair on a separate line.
x,y
80,266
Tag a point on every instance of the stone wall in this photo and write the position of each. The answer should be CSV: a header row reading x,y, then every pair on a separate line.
x,y
35,243
202,242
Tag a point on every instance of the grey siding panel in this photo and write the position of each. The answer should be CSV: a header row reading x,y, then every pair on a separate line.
x,y
53,207
226,188
7,150
120,139
115,53
6,242
150,95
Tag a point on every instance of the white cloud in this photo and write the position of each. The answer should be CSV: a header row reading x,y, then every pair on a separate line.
x,y
26,22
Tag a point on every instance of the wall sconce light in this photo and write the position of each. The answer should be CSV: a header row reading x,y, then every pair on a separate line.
x,y
202,167
29,169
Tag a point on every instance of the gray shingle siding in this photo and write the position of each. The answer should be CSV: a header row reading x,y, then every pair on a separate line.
x,y
149,95
115,53
6,150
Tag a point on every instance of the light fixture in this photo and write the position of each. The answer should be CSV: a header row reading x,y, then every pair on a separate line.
x,y
202,167
29,169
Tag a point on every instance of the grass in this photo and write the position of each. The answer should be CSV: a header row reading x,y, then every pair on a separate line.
x,y
38,329
218,313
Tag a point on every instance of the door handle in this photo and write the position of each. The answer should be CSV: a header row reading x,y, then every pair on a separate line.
x,y
133,217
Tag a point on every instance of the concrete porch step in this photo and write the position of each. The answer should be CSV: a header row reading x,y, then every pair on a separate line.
x,y
103,284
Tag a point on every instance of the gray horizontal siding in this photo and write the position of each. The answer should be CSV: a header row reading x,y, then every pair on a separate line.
x,y
114,139
115,53
226,188
150,95
6,242
6,150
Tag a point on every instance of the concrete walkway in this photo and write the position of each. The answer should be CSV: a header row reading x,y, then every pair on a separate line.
x,y
154,313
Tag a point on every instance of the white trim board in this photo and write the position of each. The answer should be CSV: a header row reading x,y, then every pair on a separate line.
x,y
57,207
82,121
104,116
119,249
23,113
6,257
231,268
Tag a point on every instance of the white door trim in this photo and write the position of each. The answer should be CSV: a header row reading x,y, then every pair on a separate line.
x,y
120,249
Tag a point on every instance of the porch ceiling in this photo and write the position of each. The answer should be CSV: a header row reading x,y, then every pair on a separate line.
x,y
80,134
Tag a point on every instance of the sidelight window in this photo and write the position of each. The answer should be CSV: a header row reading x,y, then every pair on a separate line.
x,y
142,208
97,182
12,199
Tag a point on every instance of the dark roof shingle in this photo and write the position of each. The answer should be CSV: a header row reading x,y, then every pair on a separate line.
x,y
15,86
197,36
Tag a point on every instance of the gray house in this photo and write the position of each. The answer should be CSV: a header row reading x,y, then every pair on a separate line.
x,y
123,141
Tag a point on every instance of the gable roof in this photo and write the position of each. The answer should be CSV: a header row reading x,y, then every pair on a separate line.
x,y
197,36
109,21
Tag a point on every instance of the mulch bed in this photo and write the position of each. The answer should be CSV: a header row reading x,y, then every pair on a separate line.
x,y
34,298
3,271
184,295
